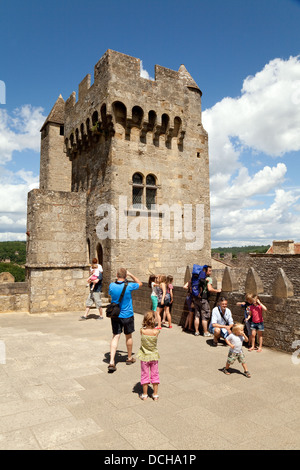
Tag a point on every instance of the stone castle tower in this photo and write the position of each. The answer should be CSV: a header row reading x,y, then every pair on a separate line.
x,y
125,177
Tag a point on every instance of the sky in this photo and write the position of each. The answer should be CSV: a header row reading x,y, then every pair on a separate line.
x,y
243,54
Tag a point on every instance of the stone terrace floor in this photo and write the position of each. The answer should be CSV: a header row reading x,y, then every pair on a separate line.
x,y
55,392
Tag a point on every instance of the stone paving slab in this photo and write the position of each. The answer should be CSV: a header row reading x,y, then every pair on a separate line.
x,y
55,392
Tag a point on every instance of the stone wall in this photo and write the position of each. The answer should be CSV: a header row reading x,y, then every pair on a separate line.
x,y
124,124
267,267
281,321
56,251
14,297
57,289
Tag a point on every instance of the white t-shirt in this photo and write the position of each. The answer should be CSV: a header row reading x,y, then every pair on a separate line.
x,y
153,285
100,269
237,341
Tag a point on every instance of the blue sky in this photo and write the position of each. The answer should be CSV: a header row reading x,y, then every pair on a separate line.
x,y
243,54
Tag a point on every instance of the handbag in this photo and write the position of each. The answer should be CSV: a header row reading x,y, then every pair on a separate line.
x,y
113,309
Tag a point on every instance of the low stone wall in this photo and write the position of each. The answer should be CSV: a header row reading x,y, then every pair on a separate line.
x,y
14,297
267,267
142,303
57,289
282,319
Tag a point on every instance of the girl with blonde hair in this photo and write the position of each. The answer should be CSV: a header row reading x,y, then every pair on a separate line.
x,y
148,354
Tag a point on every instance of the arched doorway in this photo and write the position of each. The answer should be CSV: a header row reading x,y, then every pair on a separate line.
x,y
99,251
88,254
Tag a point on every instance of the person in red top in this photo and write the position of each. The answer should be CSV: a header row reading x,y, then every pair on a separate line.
x,y
257,322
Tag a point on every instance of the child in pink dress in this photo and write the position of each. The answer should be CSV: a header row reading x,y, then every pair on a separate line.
x,y
93,279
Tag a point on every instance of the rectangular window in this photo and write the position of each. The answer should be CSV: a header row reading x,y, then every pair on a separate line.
x,y
137,197
150,197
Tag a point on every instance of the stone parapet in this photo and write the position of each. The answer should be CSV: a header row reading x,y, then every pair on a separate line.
x,y
57,289
14,297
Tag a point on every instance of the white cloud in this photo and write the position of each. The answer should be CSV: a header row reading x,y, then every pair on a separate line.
x,y
257,226
14,188
12,236
244,186
19,131
144,73
263,120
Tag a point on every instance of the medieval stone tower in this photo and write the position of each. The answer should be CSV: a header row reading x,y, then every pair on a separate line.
x,y
125,177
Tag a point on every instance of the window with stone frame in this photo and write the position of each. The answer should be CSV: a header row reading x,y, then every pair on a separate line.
x,y
151,190
137,190
143,194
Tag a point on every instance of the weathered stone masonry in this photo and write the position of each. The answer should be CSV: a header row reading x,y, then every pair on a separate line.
x,y
125,139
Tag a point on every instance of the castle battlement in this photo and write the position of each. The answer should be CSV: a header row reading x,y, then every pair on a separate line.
x,y
120,96
111,156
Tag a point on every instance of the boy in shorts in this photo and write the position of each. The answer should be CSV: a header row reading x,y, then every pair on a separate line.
x,y
235,341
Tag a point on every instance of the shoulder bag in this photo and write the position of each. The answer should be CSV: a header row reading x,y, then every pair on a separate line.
x,y
113,309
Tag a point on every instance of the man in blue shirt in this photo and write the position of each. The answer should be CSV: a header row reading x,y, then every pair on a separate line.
x,y
125,321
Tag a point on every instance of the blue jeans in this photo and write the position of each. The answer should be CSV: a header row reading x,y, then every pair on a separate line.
x,y
224,332
257,326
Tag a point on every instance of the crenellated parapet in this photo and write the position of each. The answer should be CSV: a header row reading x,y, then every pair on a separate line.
x,y
281,287
102,125
121,100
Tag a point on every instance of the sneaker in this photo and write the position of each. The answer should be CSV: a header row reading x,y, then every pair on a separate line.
x,y
197,333
207,334
100,318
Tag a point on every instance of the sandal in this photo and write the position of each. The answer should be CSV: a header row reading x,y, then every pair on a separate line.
x,y
155,397
111,368
247,374
130,361
226,371
143,397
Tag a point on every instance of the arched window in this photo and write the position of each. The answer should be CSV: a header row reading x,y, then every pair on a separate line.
x,y
137,116
151,190
137,190
95,117
99,251
88,250
143,194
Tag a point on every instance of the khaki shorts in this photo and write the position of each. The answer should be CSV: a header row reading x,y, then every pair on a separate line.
x,y
232,357
202,308
94,298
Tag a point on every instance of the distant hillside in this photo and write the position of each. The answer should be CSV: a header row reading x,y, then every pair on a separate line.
x,y
15,251
17,271
241,249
